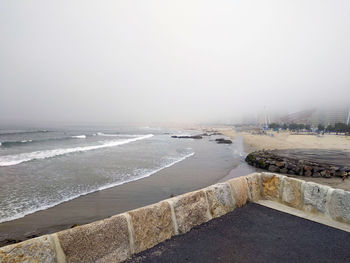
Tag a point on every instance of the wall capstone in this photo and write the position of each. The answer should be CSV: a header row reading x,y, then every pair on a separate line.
x,y
220,199
151,225
191,209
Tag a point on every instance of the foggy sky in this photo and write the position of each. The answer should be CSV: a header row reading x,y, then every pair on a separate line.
x,y
170,61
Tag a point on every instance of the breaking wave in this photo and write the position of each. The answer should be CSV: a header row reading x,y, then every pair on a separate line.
x,y
9,160
23,132
143,174
25,142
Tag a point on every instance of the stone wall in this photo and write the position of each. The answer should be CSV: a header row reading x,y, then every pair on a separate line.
x,y
116,238
274,163
309,197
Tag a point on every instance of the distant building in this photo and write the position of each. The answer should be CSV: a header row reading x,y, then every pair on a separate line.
x,y
336,115
300,117
328,116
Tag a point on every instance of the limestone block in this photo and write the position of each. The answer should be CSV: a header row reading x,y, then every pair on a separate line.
x,y
102,241
339,205
40,249
253,181
315,197
292,194
191,209
239,189
220,199
270,184
152,225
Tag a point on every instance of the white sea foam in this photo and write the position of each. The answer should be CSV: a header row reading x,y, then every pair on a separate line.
x,y
138,177
24,141
79,136
9,160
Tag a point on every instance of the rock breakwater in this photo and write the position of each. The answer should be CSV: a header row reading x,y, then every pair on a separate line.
x,y
273,161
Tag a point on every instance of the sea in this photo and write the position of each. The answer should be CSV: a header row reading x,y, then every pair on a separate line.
x,y
41,168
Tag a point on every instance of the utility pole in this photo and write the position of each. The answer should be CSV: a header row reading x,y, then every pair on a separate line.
x,y
347,122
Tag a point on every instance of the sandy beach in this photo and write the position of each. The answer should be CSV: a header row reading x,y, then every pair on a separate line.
x,y
286,140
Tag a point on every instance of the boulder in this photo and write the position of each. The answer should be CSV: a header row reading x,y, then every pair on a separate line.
x,y
308,173
280,164
273,168
187,137
325,173
284,170
316,174
307,168
223,141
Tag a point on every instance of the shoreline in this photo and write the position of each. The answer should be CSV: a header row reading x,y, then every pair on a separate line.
x,y
210,164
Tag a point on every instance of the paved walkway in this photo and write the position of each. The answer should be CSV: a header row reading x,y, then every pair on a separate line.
x,y
254,233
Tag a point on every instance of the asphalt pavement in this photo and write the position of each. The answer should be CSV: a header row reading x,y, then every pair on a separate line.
x,y
254,233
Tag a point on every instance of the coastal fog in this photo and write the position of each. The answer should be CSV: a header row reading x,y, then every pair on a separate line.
x,y
163,61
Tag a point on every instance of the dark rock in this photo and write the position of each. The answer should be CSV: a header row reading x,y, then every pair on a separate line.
x,y
316,174
325,173
223,141
340,173
316,169
280,164
345,169
284,170
274,168
308,173
335,168
291,166
307,168
187,137
271,161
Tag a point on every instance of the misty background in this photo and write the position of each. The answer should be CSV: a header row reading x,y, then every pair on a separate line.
x,y
170,61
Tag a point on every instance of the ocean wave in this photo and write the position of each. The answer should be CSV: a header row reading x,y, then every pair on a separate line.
x,y
138,177
9,160
24,142
13,143
117,135
23,132
79,136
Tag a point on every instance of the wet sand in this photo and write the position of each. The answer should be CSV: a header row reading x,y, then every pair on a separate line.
x,y
210,163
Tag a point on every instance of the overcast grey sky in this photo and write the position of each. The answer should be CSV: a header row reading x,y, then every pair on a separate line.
x,y
171,61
